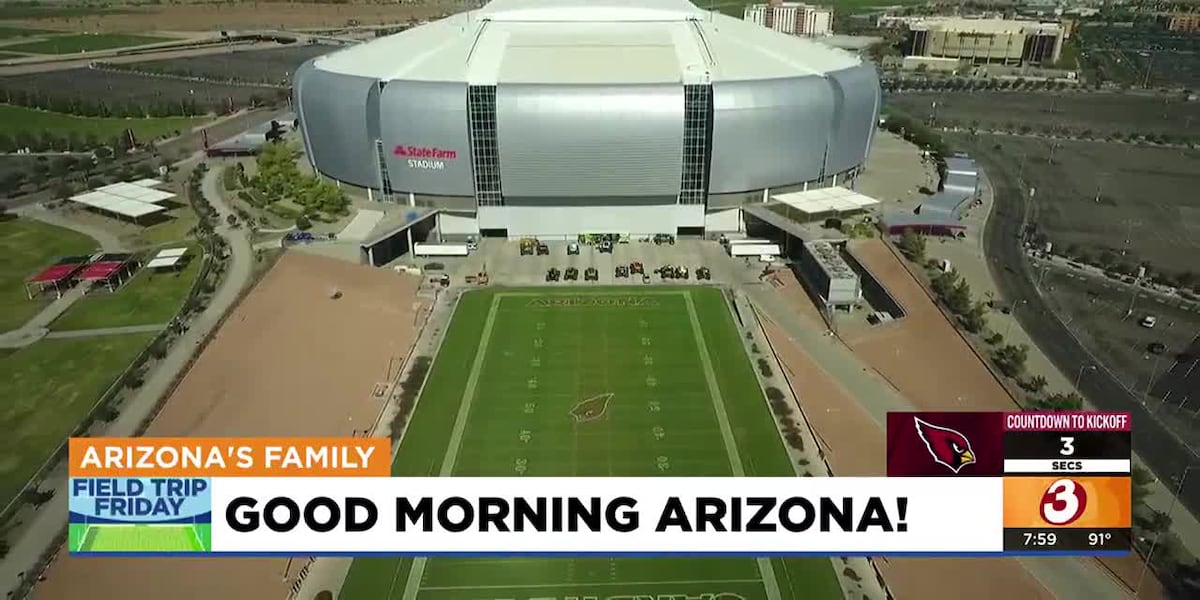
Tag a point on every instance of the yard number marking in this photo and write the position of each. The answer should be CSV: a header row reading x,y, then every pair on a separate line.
x,y
659,432
648,360
654,406
645,341
525,435
664,463
535,362
541,325
651,381
538,343
642,323
533,383
520,466
530,407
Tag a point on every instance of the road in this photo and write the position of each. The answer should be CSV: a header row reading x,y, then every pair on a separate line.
x,y
1163,453
43,525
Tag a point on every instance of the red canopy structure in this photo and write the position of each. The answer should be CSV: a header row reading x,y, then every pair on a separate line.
x,y
110,269
59,276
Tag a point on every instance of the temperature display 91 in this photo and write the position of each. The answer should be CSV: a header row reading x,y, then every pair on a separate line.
x,y
1066,540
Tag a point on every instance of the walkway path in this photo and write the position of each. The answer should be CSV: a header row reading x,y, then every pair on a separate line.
x,y
78,333
44,525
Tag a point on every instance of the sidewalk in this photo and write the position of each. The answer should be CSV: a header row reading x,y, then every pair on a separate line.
x,y
967,256
50,519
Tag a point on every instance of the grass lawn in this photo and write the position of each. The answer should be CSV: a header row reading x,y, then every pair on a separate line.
x,y
8,55
182,219
85,42
26,246
7,33
148,299
47,388
534,356
15,119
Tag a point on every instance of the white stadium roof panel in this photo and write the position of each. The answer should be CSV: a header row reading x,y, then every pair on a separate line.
x,y
604,37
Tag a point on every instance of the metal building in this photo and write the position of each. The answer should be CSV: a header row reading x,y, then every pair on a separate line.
x,y
558,117
830,276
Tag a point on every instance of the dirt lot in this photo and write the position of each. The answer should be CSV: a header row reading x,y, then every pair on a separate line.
x,y
289,362
247,15
1097,113
1147,200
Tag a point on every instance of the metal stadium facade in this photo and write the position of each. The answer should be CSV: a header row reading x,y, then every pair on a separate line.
x,y
558,117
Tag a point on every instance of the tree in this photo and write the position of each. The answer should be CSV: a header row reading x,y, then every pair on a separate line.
x,y
1141,480
974,320
1153,521
912,244
958,300
1010,359
1034,384
944,282
1059,401
63,190
302,223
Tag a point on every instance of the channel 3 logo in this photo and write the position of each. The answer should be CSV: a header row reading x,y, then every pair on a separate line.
x,y
1064,501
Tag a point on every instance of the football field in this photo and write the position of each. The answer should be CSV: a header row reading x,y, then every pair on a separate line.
x,y
139,538
611,382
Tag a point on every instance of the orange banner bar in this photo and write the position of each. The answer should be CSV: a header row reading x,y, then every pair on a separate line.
x,y
230,457
1041,502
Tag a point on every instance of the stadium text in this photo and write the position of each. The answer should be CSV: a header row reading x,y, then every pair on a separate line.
x,y
456,514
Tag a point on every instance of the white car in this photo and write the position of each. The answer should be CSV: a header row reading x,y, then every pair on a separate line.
x,y
1148,321
472,245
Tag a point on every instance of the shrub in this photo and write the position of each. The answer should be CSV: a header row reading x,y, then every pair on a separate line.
x,y
851,574
774,394
302,223
764,367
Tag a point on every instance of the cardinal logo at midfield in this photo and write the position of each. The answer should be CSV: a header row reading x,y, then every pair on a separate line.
x,y
948,447
591,409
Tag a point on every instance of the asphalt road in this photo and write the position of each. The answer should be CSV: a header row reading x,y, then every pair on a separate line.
x,y
1164,454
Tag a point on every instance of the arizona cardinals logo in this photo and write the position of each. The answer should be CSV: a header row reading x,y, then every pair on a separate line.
x,y
591,409
948,447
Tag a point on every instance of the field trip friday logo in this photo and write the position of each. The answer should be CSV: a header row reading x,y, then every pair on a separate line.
x,y
592,301
140,514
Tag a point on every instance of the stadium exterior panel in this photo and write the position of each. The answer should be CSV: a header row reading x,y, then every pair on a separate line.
x,y
559,117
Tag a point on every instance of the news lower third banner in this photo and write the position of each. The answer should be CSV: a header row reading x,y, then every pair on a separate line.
x,y
309,496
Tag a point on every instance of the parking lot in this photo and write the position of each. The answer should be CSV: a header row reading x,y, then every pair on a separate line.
x,y
505,265
1095,309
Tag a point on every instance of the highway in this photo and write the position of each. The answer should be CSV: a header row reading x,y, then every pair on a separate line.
x,y
1164,454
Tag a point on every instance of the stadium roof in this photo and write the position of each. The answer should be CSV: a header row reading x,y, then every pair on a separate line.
x,y
824,200
587,41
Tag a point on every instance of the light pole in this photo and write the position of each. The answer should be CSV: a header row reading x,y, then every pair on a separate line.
x,y
1153,545
1079,375
1013,317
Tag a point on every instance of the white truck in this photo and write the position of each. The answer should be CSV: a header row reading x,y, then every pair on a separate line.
x,y
422,249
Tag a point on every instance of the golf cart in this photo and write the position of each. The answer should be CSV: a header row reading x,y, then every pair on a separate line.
x,y
572,248
552,274
681,272
542,249
571,274
528,246
606,247
622,271
636,268
591,274
703,273
666,272
664,238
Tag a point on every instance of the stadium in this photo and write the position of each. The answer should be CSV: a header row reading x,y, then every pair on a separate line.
x,y
561,117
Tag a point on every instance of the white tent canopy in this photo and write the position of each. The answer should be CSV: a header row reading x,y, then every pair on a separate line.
x,y
125,207
167,258
133,191
825,200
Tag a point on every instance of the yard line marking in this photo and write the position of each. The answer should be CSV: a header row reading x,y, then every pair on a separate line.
x,y
413,585
448,588
770,584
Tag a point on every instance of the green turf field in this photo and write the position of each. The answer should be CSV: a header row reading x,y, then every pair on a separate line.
x,y
139,538
14,119
85,42
504,398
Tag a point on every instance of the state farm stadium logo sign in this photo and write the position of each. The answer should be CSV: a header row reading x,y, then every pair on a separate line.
x,y
425,157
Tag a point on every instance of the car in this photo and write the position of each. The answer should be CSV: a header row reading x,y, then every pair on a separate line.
x,y
552,274
591,274
1156,348
572,249
666,272
703,273
527,247
645,278
543,249
636,268
571,274
1148,321
621,271
664,238
606,247
681,272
